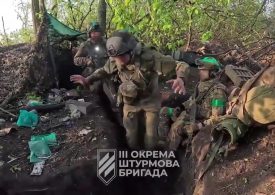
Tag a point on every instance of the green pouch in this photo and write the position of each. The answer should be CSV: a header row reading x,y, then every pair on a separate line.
x,y
40,151
27,119
50,139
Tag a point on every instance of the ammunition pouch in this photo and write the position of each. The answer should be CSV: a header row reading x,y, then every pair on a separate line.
x,y
128,91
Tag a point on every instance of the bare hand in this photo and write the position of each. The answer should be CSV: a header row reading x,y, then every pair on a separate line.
x,y
79,79
177,86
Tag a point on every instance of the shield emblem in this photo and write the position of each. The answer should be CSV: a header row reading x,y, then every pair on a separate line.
x,y
106,165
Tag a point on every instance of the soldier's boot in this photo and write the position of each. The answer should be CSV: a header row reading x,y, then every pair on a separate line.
x,y
151,134
176,135
130,122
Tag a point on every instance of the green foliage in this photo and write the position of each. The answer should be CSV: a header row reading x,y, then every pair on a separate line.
x,y
167,24
23,35
76,14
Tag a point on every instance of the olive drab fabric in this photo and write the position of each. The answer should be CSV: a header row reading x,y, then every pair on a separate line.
x,y
237,105
254,104
260,104
233,126
141,76
143,71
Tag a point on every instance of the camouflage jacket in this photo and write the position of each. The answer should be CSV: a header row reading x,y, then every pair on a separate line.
x,y
91,54
210,98
144,70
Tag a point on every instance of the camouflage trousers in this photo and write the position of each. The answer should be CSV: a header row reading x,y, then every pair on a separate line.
x,y
135,122
175,128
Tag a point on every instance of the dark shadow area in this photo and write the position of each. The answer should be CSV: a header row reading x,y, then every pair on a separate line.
x,y
65,67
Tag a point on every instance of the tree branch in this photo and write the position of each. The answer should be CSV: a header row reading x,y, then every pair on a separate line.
x,y
71,9
85,16
4,29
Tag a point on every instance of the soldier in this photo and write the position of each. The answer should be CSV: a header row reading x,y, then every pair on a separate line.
x,y
203,108
92,53
138,67
253,106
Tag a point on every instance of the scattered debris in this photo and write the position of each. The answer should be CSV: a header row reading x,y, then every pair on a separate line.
x,y
7,112
27,119
56,95
15,168
6,131
2,121
50,139
38,168
65,119
72,94
40,151
94,139
11,159
44,119
1,163
83,107
45,107
39,147
75,113
34,103
84,132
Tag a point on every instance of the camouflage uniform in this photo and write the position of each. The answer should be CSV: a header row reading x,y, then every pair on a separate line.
x,y
91,55
209,100
139,90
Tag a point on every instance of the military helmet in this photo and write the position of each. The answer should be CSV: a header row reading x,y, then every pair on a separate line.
x,y
120,42
209,63
95,27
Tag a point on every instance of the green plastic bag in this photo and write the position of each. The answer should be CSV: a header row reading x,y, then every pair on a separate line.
x,y
27,119
50,139
34,103
40,151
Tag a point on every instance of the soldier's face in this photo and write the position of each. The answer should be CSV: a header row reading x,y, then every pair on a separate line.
x,y
95,36
204,74
122,60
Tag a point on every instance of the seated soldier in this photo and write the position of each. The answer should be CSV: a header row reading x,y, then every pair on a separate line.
x,y
204,107
253,106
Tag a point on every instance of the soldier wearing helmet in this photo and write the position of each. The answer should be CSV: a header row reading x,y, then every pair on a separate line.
x,y
92,53
203,108
138,68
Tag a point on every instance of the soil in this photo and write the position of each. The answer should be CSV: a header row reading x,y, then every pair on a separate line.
x,y
249,169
